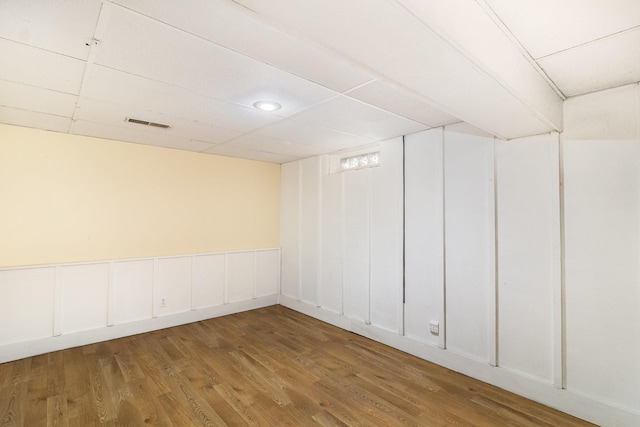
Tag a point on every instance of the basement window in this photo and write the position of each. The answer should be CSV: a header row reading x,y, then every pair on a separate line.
x,y
360,161
367,157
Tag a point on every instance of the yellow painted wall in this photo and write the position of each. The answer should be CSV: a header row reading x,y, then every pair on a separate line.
x,y
66,198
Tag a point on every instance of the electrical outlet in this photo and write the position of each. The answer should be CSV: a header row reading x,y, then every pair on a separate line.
x,y
434,327
163,302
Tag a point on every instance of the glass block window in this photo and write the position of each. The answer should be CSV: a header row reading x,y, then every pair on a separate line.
x,y
360,161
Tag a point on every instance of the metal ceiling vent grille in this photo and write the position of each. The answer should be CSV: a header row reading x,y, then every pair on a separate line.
x,y
146,123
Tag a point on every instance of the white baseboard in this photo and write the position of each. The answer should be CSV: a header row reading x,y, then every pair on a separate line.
x,y
20,350
545,393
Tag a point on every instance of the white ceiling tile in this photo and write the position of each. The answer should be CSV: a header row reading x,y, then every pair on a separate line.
x,y
605,63
139,93
101,130
328,140
415,57
230,25
402,103
354,117
33,119
472,30
62,26
245,153
275,146
548,26
115,114
33,98
145,47
467,129
37,67
607,115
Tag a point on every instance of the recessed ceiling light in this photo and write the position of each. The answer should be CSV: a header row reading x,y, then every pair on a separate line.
x,y
267,105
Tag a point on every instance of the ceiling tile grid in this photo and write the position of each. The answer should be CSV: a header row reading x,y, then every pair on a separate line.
x,y
346,74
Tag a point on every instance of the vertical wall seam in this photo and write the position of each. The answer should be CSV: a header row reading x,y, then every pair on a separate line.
x,y
370,225
342,239
561,343
495,303
299,168
319,225
404,240
443,320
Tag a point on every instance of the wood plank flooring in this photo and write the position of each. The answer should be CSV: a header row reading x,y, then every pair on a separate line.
x,y
270,367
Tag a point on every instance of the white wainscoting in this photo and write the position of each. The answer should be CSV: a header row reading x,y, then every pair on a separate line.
x,y
52,307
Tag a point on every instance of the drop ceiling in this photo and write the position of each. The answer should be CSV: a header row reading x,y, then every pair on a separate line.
x,y
347,73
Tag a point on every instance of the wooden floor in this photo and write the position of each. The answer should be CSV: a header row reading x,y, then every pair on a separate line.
x,y
271,367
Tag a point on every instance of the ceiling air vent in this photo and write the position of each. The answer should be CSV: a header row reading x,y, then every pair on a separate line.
x,y
146,123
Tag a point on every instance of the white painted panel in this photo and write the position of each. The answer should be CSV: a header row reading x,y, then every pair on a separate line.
x,y
84,297
602,64
351,116
424,234
233,26
240,272
467,233
602,240
387,237
63,26
208,280
415,57
405,104
290,228
355,264
173,284
608,115
331,238
256,142
542,26
309,228
64,74
133,289
527,181
27,299
25,97
327,140
131,45
245,153
267,272
32,119
137,134
141,94
113,115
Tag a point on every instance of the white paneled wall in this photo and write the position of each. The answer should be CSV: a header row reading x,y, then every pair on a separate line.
x,y
529,255
290,228
35,285
350,238
356,234
424,235
535,285
310,229
75,304
84,297
132,291
330,295
469,248
386,241
602,246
